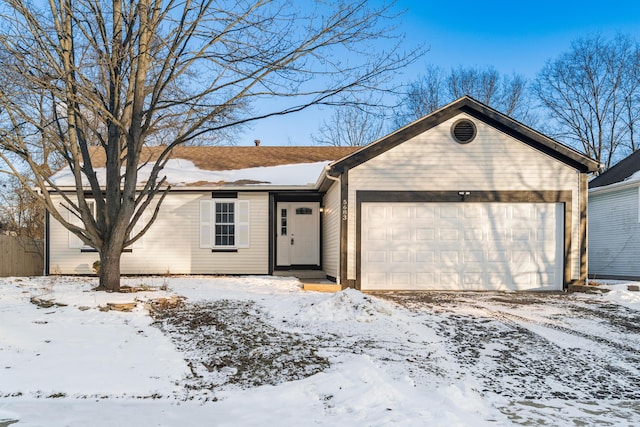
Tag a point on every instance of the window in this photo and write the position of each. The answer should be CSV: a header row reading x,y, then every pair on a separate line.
x,y
76,242
283,222
224,224
304,211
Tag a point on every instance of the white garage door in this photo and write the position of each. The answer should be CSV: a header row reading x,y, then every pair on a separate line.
x,y
461,246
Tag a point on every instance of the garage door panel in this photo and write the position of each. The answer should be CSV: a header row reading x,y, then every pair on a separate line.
x,y
449,234
425,234
473,211
449,258
376,234
473,257
425,212
473,234
523,211
425,257
425,279
521,234
497,211
498,234
400,212
450,279
475,246
496,257
403,234
521,258
376,280
545,234
400,256
524,280
401,279
449,211
473,279
376,257
377,212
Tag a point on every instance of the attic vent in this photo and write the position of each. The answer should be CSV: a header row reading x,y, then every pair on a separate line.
x,y
463,131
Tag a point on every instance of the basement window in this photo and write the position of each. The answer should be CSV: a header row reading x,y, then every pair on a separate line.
x,y
463,131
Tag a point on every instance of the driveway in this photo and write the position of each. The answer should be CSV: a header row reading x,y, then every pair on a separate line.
x,y
536,349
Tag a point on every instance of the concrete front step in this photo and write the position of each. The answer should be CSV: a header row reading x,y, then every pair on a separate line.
x,y
301,274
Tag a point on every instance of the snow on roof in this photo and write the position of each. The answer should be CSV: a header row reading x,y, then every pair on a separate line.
x,y
634,177
625,171
183,173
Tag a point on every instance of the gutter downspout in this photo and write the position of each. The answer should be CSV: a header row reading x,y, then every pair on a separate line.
x,y
339,181
328,176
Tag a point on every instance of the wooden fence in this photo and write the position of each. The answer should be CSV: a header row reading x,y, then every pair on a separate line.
x,y
21,256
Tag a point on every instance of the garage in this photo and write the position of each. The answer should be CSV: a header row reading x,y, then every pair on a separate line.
x,y
464,198
461,246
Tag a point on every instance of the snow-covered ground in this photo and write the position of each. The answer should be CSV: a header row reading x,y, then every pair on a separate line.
x,y
253,351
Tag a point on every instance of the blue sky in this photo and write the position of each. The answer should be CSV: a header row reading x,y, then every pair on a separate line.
x,y
512,36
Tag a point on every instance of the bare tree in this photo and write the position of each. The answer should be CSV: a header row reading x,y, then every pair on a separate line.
x,y
350,126
20,213
120,75
591,94
505,93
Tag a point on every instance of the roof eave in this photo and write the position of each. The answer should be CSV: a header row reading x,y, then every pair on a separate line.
x,y
248,187
622,185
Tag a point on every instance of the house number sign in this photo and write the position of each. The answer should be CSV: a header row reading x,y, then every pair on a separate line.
x,y
345,209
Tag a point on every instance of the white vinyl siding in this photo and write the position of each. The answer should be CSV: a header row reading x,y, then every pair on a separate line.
x,y
493,161
614,233
172,244
331,232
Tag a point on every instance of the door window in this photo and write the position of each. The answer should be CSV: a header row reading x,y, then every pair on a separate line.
x,y
283,222
304,211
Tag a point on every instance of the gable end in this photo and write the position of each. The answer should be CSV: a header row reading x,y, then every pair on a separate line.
x,y
480,112
533,139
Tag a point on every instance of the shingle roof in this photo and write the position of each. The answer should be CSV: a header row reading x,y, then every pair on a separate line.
x,y
618,173
220,158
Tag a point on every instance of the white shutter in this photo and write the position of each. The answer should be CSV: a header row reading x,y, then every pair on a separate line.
x,y
74,241
206,223
242,224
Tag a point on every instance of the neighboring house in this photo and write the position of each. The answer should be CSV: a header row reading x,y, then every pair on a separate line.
x,y
614,221
464,198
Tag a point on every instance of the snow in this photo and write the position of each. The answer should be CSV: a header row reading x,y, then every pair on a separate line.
x,y
619,293
181,172
633,177
441,360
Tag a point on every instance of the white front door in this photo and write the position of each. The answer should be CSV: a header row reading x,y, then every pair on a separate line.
x,y
298,231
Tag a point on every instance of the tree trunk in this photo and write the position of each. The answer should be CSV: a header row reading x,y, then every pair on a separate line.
x,y
110,269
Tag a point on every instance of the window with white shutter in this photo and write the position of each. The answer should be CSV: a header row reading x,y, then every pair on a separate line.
x,y
224,224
